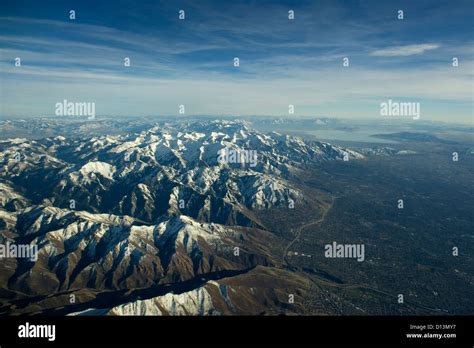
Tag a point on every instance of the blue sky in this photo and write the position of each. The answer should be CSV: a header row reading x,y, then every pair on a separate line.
x,y
282,61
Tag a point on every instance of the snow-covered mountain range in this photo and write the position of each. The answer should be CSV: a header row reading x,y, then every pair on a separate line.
x,y
154,208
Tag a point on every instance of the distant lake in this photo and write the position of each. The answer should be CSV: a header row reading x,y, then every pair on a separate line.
x,y
358,135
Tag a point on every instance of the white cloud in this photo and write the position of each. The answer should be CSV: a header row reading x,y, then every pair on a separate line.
x,y
407,50
308,73
311,91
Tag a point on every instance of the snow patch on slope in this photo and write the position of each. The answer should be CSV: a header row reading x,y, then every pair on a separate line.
x,y
195,302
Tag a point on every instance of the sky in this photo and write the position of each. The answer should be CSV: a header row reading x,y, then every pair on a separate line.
x,y
190,62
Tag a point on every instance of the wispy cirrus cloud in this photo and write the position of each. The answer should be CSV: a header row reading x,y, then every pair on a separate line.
x,y
404,51
191,62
